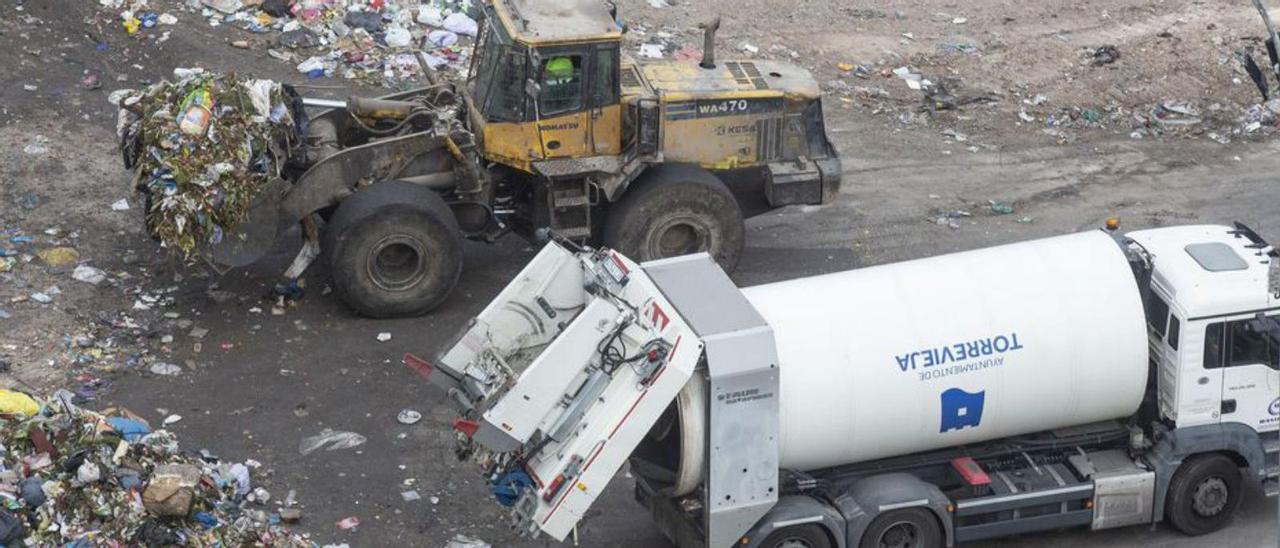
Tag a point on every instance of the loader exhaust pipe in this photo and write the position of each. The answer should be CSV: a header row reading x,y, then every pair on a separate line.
x,y
709,43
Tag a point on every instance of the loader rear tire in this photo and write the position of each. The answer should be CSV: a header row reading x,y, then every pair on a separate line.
x,y
674,210
395,250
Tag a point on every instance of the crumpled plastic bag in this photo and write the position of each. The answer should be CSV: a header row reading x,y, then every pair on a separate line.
x,y
18,403
333,439
461,24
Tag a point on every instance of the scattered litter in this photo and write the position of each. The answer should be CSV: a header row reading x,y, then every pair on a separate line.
x,y
408,416
120,205
410,496
38,145
1000,208
89,274
912,79
347,524
1027,118
659,4
198,333
463,541
41,298
1174,113
651,51
59,256
948,219
384,336
1103,55
172,419
333,439
165,369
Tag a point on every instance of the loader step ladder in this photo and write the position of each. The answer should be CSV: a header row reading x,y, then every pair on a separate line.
x,y
570,208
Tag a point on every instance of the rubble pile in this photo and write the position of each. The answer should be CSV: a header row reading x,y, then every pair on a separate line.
x,y
73,477
202,148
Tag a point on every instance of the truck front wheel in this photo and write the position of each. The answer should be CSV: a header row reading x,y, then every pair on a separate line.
x,y
797,536
1203,494
674,210
905,528
395,250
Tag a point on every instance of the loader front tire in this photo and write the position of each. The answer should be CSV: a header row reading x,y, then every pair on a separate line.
x,y
395,250
674,210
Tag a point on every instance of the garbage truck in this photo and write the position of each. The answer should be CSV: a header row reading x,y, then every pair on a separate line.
x,y
1098,379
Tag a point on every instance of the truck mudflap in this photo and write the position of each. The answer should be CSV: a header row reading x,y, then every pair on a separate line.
x,y
560,377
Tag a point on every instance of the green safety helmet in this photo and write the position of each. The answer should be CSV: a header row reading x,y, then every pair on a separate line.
x,y
560,68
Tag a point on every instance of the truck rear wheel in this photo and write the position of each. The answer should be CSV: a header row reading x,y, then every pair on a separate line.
x,y
797,536
395,250
676,210
905,528
1203,494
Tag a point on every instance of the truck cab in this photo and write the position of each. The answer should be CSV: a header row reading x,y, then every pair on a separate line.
x,y
1208,308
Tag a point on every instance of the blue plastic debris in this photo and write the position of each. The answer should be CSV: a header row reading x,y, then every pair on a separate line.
x,y
206,520
129,429
508,487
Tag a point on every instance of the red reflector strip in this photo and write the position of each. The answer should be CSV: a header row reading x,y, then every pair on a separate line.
x,y
466,427
419,365
620,264
971,471
554,488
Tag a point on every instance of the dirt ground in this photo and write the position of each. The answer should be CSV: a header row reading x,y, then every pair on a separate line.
x,y
1064,142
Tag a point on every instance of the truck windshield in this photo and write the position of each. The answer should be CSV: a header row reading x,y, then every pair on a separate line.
x,y
498,73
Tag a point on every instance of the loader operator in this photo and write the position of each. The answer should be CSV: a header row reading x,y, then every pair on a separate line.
x,y
560,81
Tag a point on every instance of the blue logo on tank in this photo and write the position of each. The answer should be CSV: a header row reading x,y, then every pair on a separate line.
x,y
1274,408
961,409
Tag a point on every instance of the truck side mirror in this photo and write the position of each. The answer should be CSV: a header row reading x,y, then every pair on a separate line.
x,y
532,89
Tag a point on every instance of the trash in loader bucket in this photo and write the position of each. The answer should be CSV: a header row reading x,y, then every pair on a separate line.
x,y
203,148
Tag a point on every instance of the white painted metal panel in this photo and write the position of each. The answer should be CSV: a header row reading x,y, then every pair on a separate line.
x,y
955,349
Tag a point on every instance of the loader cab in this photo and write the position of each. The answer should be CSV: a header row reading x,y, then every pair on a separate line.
x,y
545,79
1213,325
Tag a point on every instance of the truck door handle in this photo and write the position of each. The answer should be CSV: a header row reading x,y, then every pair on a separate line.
x,y
1228,406
553,145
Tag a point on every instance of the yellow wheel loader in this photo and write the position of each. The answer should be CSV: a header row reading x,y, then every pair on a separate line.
x,y
554,133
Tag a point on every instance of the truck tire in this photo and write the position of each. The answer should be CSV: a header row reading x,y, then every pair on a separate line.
x,y
676,210
905,528
395,250
1204,493
797,536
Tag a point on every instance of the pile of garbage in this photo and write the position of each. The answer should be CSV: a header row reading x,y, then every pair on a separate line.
x,y
73,477
203,147
372,41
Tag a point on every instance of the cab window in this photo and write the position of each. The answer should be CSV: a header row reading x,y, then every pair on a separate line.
x,y
1249,346
1237,343
604,79
1157,314
561,84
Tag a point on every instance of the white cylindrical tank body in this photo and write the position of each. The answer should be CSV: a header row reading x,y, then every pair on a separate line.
x,y
955,349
